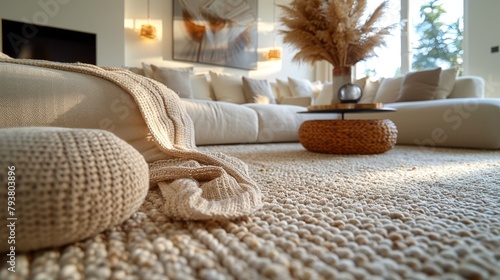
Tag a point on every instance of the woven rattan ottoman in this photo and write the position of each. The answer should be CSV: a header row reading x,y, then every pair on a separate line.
x,y
348,136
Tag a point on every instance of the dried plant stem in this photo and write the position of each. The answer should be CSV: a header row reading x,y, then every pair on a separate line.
x,y
333,30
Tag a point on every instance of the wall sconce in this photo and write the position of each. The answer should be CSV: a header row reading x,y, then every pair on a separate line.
x,y
274,53
148,30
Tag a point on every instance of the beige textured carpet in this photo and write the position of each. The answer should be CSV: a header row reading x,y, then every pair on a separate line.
x,y
411,213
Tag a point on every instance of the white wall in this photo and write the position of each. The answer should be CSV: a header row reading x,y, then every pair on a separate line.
x,y
119,46
104,18
159,51
481,32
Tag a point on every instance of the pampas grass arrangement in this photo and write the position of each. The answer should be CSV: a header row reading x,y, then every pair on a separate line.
x,y
338,31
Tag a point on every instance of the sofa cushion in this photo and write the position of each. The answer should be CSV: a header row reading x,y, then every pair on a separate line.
x,y
468,87
389,90
258,91
228,88
304,87
416,86
274,87
420,85
326,96
300,87
277,123
283,88
222,122
177,80
148,69
280,123
201,88
70,184
370,90
446,83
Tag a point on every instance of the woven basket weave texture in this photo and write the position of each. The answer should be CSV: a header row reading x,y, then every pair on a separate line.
x,y
70,184
348,136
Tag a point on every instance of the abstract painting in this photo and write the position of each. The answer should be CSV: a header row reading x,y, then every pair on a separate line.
x,y
221,32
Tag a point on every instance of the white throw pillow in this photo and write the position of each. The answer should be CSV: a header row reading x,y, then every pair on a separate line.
x,y
228,88
389,89
300,87
283,88
446,83
274,87
369,90
201,87
361,82
326,96
317,88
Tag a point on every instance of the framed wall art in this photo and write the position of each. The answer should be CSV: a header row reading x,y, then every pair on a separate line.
x,y
220,32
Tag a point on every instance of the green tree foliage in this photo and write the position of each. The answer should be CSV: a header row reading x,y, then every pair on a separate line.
x,y
440,43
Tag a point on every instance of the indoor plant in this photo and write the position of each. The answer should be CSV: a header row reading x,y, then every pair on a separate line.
x,y
341,32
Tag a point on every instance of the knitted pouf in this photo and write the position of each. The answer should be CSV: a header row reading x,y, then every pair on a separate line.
x,y
348,136
64,185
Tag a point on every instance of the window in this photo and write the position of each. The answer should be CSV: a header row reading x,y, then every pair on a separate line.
x,y
435,34
387,62
431,35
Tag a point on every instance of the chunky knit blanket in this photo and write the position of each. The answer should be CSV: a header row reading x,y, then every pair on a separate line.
x,y
195,185
410,213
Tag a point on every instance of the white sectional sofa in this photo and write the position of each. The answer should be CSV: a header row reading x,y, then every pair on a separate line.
x,y
464,119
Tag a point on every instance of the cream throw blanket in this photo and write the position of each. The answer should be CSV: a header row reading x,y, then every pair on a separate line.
x,y
195,185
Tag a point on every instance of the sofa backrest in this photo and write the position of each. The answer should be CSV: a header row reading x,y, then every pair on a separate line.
x,y
468,87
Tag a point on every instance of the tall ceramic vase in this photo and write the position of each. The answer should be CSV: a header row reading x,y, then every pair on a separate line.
x,y
345,89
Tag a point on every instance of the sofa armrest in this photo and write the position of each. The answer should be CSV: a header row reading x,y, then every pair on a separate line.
x,y
468,87
456,122
298,101
78,101
217,122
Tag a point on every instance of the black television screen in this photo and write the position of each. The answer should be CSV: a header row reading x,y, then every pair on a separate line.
x,y
24,40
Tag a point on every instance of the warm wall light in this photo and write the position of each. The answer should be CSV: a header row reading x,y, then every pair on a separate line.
x,y
148,30
274,53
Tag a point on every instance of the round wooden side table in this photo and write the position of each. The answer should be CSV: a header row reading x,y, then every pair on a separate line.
x,y
348,136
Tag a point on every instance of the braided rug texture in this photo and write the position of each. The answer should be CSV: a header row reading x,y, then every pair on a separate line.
x,y
410,213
